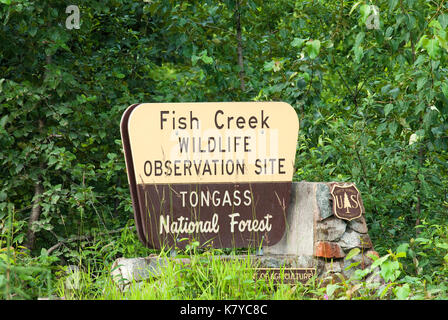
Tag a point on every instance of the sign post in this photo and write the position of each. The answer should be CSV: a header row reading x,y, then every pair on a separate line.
x,y
218,173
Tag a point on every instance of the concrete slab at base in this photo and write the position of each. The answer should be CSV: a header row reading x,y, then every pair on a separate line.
x,y
299,236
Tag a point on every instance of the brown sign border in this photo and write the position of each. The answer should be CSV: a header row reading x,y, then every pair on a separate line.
x,y
130,171
134,189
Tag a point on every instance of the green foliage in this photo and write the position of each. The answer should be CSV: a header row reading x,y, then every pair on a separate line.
x,y
206,277
22,276
372,103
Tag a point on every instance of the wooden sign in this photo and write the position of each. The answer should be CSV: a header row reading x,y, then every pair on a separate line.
x,y
219,173
347,203
284,275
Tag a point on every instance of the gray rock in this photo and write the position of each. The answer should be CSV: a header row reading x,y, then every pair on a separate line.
x,y
126,270
333,266
358,262
270,262
351,239
359,225
305,262
330,229
323,201
375,277
73,277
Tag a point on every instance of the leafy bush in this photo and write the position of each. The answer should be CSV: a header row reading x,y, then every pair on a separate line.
x,y
372,104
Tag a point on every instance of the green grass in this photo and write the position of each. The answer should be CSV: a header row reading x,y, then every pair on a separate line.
x,y
209,277
417,270
205,277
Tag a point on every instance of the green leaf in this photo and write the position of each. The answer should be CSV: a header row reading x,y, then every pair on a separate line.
x,y
389,32
312,48
5,1
442,42
435,24
3,121
297,42
268,65
433,48
393,126
207,60
392,5
352,265
355,6
381,127
32,31
421,42
379,261
402,292
194,59
421,82
352,253
359,38
359,53
443,20
372,256
403,247
445,89
385,290
442,245
305,76
388,108
365,11
390,270
331,289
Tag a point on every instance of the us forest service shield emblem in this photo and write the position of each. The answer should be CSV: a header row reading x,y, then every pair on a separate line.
x,y
347,203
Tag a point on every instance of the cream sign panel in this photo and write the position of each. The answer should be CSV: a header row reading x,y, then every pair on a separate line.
x,y
213,142
220,160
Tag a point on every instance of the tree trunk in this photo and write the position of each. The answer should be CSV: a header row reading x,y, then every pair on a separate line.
x,y
38,187
421,154
37,208
240,45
